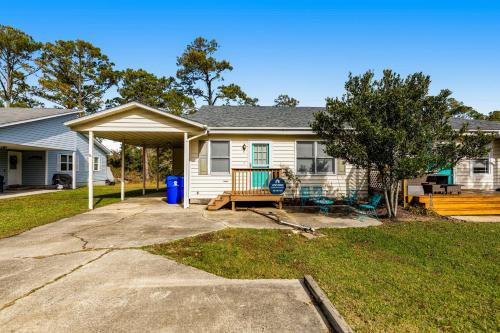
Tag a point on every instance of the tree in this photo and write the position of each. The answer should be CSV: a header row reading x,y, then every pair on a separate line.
x,y
200,72
17,51
393,126
75,75
494,116
144,87
460,110
286,101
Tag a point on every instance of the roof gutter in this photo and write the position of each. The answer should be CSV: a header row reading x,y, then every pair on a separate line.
x,y
199,135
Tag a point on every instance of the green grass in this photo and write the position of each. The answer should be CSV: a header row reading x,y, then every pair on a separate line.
x,y
23,213
405,277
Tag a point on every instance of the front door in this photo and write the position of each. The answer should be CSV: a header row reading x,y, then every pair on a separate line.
x,y
15,161
260,160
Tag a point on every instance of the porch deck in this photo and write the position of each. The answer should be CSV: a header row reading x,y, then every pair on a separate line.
x,y
469,202
248,185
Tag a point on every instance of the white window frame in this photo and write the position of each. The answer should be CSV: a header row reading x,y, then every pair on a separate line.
x,y
210,158
488,159
99,164
315,173
67,163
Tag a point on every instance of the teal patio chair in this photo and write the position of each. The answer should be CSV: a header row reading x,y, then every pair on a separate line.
x,y
370,208
305,195
352,198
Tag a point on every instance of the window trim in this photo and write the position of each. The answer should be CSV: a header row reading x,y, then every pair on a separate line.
x,y
67,163
210,172
315,173
488,158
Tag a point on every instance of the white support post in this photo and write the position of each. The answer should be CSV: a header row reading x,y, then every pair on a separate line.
x,y
143,170
91,170
186,171
157,169
73,173
122,167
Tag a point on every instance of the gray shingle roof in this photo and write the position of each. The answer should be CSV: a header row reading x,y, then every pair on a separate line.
x,y
255,116
474,124
286,117
14,115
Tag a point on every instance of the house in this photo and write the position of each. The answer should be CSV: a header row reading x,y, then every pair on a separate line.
x,y
237,149
35,144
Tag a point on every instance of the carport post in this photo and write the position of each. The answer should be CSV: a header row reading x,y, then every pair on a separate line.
x,y
73,170
91,170
122,185
157,169
186,171
143,170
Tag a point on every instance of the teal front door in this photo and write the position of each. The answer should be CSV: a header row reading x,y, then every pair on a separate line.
x,y
260,160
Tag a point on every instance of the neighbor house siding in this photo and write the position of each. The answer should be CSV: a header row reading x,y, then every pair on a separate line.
x,y
33,168
282,155
81,160
48,133
491,181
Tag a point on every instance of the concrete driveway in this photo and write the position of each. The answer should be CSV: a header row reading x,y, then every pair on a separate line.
x,y
85,273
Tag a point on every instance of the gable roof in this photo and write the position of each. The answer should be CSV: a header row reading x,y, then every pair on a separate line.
x,y
255,116
14,116
288,118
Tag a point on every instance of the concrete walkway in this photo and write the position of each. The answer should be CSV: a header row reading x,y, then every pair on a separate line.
x,y
85,274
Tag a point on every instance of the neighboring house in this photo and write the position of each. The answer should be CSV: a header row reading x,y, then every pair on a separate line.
x,y
211,143
35,144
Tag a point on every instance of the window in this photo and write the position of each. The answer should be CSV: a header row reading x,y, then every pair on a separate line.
x,y
97,163
481,166
312,158
219,156
202,157
65,162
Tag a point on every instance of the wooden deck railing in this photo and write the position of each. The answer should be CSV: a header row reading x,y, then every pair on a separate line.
x,y
252,181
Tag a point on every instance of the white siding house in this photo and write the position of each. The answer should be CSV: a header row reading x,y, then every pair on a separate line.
x,y
35,144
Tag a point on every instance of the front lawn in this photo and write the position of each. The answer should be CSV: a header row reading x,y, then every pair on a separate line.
x,y
404,277
23,213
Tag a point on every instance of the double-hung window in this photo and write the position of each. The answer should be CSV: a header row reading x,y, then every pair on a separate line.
x,y
97,163
480,166
312,158
65,162
219,157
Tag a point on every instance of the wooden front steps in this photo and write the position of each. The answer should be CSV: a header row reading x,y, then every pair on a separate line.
x,y
219,202
465,204
227,197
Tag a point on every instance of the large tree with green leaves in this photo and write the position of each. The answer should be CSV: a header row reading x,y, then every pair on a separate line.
x,y
494,116
394,126
460,110
75,74
200,74
145,87
284,100
17,51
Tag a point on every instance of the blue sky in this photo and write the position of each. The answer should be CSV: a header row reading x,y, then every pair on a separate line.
x,y
302,48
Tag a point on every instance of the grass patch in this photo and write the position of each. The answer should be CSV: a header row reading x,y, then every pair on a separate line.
x,y
23,213
411,277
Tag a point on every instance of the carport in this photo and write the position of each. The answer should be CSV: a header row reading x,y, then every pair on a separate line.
x,y
139,125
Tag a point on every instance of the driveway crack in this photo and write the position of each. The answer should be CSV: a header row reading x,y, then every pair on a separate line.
x,y
11,303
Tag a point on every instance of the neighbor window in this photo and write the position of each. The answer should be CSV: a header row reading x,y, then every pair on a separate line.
x,y
481,166
97,163
219,156
312,158
202,157
65,162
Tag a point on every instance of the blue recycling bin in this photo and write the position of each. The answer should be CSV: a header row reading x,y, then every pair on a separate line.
x,y
180,189
172,189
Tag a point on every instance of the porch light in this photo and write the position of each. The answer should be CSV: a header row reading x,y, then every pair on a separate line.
x,y
244,147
